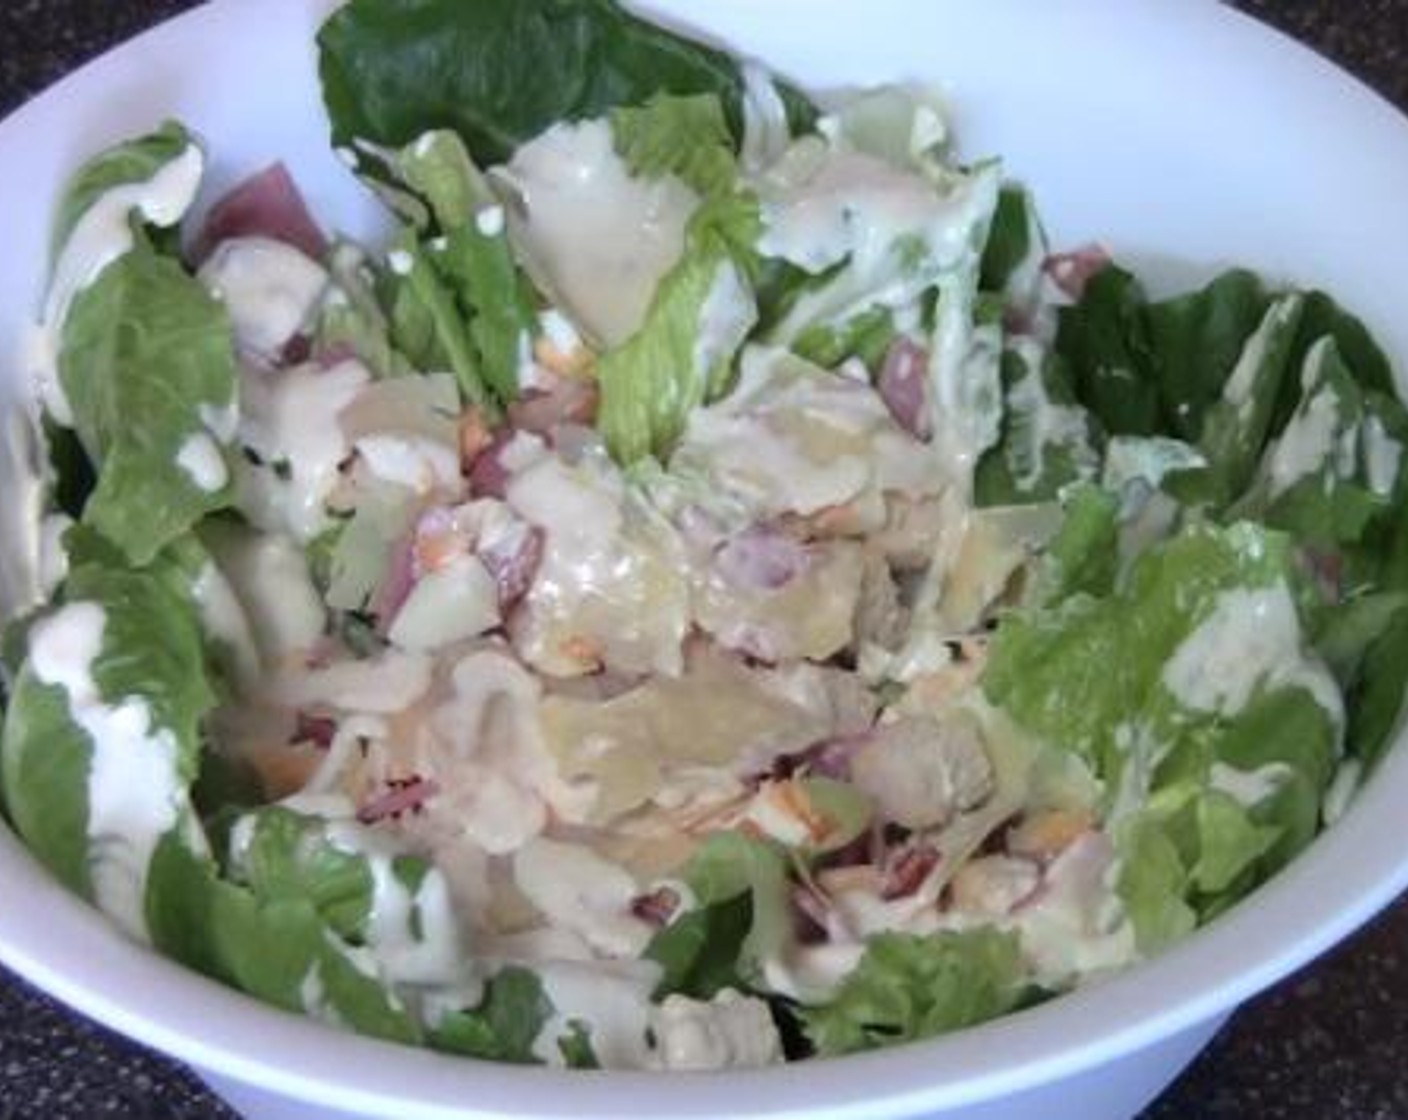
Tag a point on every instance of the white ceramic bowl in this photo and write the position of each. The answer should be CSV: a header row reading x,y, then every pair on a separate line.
x,y
1174,131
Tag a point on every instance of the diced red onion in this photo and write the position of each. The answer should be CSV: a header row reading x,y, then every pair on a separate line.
x,y
1072,271
903,385
268,204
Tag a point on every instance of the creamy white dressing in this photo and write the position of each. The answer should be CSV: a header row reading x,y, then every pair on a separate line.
x,y
203,463
1310,436
1250,641
490,221
101,236
730,1031
580,891
497,779
1238,390
766,133
1135,466
1076,927
610,998
611,589
1349,776
726,316
271,583
224,621
135,791
23,478
450,604
390,681
1249,787
420,465
792,439
53,557
290,420
414,936
1382,455
1045,424
898,235
598,238
269,288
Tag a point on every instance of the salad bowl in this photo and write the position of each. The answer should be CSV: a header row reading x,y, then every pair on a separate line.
x,y
1184,137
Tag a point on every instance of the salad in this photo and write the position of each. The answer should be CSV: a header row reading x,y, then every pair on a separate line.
x,y
715,588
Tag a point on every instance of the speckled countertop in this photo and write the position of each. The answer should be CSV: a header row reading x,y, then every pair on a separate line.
x,y
1330,1042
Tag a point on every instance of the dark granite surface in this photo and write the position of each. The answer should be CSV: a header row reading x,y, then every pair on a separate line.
x,y
1331,1042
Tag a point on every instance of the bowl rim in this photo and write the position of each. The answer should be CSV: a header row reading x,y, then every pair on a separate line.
x,y
66,947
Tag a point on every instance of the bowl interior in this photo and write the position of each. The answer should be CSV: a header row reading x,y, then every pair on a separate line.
x,y
1183,136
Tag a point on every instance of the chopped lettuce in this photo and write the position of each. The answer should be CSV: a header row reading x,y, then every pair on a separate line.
x,y
121,658
1189,683
499,72
683,136
135,161
148,363
1046,441
702,312
505,1022
909,987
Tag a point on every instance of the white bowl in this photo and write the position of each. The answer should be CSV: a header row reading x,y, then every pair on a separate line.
x,y
1175,132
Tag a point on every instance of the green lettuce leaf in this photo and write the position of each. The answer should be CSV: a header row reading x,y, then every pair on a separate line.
x,y
135,161
902,125
1152,884
427,322
1046,440
1083,557
503,1025
1104,340
868,337
151,653
683,136
354,318
147,361
699,950
1092,676
683,353
499,72
909,987
1196,339
725,867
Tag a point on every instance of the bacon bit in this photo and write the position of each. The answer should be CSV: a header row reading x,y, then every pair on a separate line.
x,y
1043,836
905,870
1072,271
402,795
514,563
475,438
317,730
657,907
903,384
